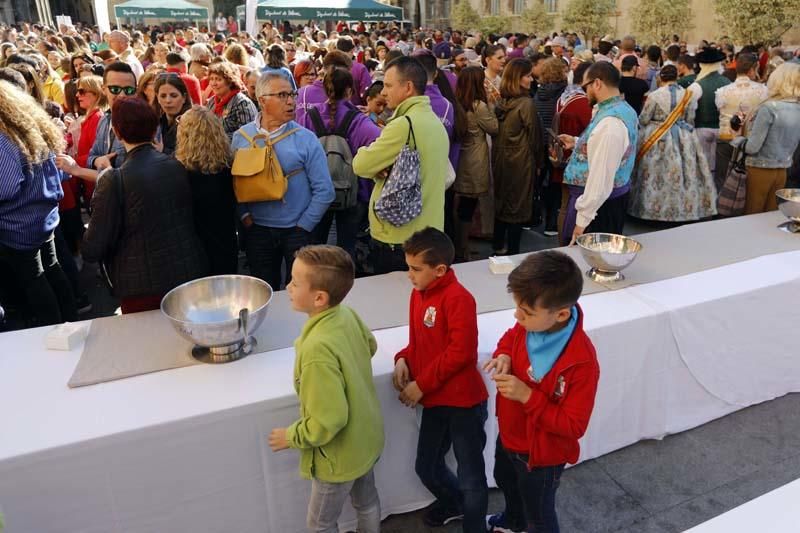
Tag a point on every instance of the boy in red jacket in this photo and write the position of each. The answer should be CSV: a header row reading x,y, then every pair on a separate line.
x,y
546,372
438,369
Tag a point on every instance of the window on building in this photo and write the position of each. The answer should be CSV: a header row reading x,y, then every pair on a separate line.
x,y
495,7
551,5
519,6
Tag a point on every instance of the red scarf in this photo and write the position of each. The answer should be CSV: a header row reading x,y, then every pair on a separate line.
x,y
219,105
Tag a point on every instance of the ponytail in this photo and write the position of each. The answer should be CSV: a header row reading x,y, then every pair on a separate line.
x,y
337,81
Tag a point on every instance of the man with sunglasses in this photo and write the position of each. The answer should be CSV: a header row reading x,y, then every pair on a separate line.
x,y
599,170
107,151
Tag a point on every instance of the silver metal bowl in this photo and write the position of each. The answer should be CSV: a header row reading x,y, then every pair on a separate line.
x,y
789,204
217,314
608,254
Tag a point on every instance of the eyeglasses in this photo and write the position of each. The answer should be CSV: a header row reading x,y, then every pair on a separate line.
x,y
585,85
283,95
83,91
167,75
309,75
116,89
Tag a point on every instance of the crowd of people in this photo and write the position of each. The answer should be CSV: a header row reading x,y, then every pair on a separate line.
x,y
162,155
515,133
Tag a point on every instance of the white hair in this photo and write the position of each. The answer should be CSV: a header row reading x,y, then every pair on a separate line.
x,y
262,85
198,51
784,83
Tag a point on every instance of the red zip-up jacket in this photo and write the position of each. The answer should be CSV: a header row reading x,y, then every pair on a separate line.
x,y
442,351
547,427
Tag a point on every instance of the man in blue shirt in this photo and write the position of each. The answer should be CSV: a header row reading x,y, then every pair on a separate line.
x,y
275,230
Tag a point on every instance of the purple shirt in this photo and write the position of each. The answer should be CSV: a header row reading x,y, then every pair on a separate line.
x,y
443,109
362,80
309,96
451,79
515,53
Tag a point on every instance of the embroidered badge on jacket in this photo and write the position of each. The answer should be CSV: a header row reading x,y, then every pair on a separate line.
x,y
430,317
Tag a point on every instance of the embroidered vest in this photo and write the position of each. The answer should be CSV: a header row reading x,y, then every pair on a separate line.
x,y
577,169
707,115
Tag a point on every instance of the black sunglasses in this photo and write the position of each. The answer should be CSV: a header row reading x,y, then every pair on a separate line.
x,y
116,89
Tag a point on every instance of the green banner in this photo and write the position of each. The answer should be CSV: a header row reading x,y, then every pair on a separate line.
x,y
306,13
161,13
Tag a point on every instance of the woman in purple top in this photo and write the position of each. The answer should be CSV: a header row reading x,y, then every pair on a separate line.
x,y
314,95
337,113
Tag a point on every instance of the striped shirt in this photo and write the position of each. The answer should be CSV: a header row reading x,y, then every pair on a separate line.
x,y
29,196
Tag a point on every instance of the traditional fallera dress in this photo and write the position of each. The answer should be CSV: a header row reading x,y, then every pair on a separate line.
x,y
672,181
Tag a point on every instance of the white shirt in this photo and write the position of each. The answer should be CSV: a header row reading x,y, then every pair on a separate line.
x,y
605,148
222,24
130,58
743,95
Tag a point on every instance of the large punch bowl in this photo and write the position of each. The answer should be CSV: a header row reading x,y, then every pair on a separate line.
x,y
608,254
789,203
207,311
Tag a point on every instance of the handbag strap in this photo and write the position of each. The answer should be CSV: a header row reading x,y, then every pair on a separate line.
x,y
410,132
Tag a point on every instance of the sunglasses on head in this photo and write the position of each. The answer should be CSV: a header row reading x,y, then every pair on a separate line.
x,y
116,89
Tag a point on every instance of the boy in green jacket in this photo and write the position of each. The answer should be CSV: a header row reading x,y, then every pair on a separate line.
x,y
340,429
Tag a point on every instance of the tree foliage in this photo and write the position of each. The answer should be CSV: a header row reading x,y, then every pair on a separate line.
x,y
656,21
757,21
536,19
464,16
495,24
589,18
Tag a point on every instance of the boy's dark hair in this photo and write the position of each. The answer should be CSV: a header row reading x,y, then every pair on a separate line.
x,y
434,246
628,63
175,58
549,279
119,66
332,270
605,72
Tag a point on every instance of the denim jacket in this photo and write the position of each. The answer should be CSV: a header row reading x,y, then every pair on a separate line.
x,y
106,142
774,135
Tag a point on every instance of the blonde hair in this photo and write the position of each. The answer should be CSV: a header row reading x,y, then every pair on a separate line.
x,y
553,70
202,144
94,84
333,270
784,83
28,125
236,54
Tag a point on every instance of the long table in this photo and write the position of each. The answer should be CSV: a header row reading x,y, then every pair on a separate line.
x,y
185,450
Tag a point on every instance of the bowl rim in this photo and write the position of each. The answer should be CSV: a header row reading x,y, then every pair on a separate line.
x,y
780,193
192,282
581,245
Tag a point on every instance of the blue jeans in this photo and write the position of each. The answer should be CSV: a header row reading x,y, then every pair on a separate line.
x,y
268,249
530,494
461,428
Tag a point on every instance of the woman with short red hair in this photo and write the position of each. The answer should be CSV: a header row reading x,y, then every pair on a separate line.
x,y
142,227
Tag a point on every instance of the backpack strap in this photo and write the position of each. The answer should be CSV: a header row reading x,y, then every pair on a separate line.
x,y
249,139
282,136
410,132
316,120
344,127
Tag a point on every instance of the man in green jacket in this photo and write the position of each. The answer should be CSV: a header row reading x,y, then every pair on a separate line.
x,y
340,429
404,90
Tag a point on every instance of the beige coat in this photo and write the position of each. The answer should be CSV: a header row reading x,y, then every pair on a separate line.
x,y
472,175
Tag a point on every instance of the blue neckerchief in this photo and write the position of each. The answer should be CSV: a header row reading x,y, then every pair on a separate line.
x,y
545,348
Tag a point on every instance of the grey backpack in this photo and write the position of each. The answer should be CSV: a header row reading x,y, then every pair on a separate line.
x,y
340,158
400,201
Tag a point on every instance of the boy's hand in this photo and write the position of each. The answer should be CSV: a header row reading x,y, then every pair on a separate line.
x,y
512,388
400,376
277,439
500,364
411,394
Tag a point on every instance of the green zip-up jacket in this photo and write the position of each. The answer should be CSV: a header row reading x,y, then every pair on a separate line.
x,y
340,430
433,146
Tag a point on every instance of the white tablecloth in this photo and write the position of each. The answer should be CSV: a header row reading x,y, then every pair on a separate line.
x,y
185,450
774,512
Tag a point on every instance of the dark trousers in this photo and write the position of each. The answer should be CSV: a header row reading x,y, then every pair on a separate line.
x,y
611,216
466,208
724,155
551,198
46,287
387,258
461,428
507,235
347,222
530,494
449,220
67,262
270,249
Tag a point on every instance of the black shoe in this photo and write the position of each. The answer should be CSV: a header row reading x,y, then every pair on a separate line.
x,y
437,515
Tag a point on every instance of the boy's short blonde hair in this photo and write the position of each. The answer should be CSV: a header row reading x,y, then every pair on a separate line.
x,y
332,270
